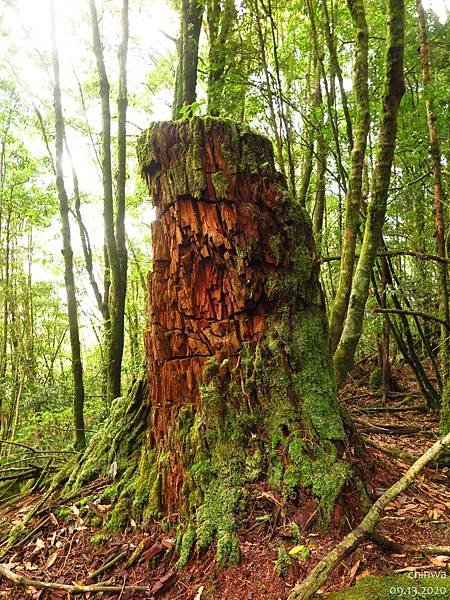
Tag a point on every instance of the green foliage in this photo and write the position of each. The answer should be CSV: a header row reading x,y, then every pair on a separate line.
x,y
98,539
283,561
376,378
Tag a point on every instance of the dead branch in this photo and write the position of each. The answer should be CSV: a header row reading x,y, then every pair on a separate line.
x,y
375,409
390,253
71,589
412,313
107,565
390,451
319,575
22,541
387,428
391,546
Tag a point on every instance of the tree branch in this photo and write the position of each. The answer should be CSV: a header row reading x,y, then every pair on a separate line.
x,y
319,575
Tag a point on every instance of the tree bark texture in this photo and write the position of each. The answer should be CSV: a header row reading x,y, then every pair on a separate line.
x,y
238,367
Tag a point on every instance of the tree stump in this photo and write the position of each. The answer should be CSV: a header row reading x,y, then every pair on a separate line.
x,y
240,378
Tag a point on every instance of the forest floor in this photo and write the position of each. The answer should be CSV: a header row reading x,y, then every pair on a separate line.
x,y
65,548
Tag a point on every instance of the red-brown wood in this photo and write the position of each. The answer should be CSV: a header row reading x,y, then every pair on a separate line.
x,y
216,242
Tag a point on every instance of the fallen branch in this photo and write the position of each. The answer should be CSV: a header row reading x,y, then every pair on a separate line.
x,y
390,428
107,565
29,535
19,444
386,253
375,409
71,589
391,546
318,576
390,451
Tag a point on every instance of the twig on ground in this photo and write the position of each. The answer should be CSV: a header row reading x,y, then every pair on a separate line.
x,y
390,451
391,546
375,409
388,428
71,589
29,535
107,565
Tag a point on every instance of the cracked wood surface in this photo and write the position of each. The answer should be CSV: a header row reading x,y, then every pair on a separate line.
x,y
217,239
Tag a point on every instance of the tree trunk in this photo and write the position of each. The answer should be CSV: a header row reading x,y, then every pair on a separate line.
x,y
240,377
72,310
186,76
439,195
236,338
376,212
116,253
221,17
354,194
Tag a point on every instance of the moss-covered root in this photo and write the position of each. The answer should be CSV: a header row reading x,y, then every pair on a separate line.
x,y
397,586
115,449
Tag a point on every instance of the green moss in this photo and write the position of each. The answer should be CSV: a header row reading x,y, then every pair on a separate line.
x,y
98,539
220,184
111,493
294,532
323,474
96,521
269,414
445,409
394,587
376,379
186,545
120,515
63,512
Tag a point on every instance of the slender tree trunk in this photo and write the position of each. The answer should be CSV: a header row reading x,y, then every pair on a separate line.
x,y
116,254
439,198
321,168
308,132
392,95
330,39
221,16
269,90
77,367
186,77
329,95
120,278
354,194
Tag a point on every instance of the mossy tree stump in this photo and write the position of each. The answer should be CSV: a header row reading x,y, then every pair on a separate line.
x,y
241,385
240,378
